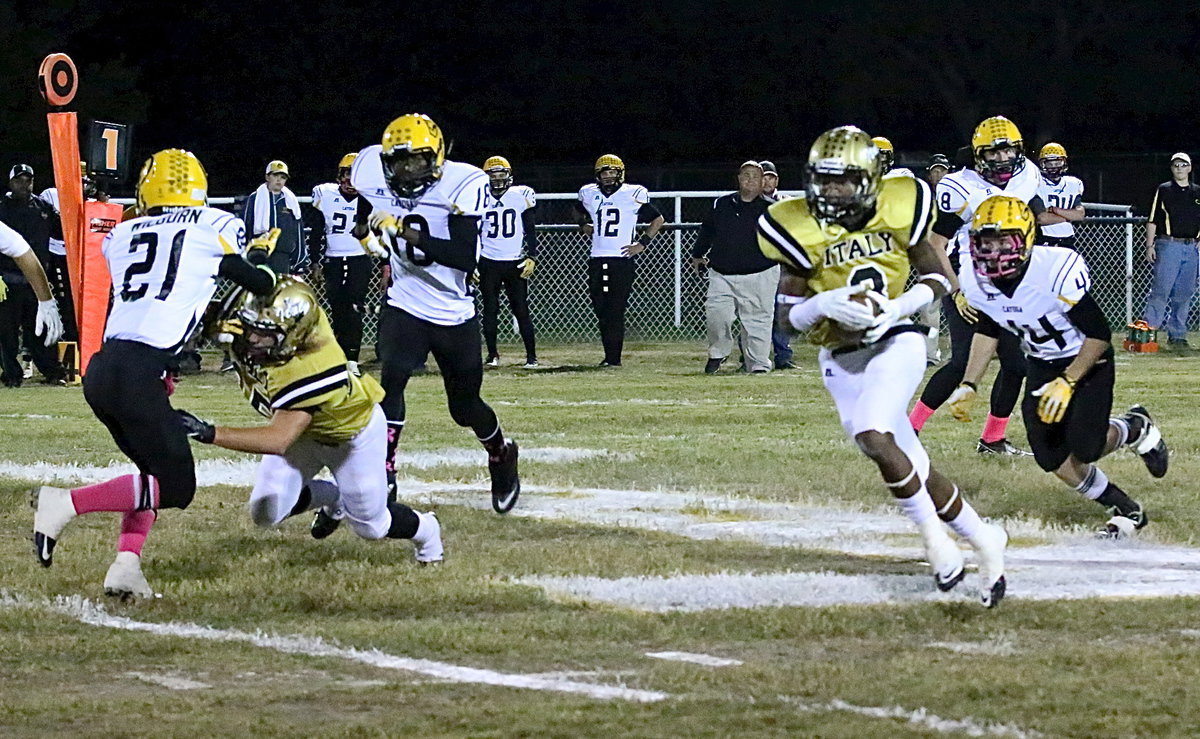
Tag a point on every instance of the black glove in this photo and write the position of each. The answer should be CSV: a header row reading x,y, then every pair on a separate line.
x,y
202,431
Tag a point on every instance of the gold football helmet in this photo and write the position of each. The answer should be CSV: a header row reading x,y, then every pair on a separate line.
x,y
997,134
499,172
172,178
1002,233
343,170
1053,161
277,326
887,153
414,152
843,174
610,173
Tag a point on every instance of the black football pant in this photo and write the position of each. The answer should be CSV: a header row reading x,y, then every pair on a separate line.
x,y
346,283
610,282
124,386
405,341
494,275
1083,431
60,285
1006,390
18,317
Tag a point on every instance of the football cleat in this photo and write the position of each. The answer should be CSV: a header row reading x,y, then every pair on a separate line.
x,y
54,511
1125,524
1150,446
989,543
531,364
1001,447
428,539
125,579
325,523
944,557
506,483
493,360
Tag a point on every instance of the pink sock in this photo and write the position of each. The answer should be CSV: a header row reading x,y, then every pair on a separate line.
x,y
135,526
920,414
121,495
994,429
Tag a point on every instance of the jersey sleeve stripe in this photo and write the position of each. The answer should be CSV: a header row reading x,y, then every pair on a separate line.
x,y
295,401
1060,277
778,236
957,187
923,211
320,382
474,178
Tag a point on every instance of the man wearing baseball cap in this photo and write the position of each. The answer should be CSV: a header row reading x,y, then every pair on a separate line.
x,y
273,205
35,221
1171,242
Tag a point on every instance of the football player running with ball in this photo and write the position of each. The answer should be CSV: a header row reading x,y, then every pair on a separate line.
x,y
426,212
322,416
854,235
164,266
1042,294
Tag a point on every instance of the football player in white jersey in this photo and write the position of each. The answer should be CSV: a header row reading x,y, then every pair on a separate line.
x,y
1042,295
887,159
1000,167
345,266
1062,195
426,211
47,321
164,266
509,250
611,209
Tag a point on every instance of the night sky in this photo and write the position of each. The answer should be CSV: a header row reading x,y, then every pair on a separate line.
x,y
682,91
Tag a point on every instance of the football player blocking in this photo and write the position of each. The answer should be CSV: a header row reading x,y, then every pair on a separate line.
x,y
292,371
855,234
426,211
1042,295
164,266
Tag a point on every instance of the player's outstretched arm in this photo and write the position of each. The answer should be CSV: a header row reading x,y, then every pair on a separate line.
x,y
274,438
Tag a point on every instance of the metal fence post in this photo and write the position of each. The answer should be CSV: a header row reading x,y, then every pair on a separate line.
x,y
678,263
1129,268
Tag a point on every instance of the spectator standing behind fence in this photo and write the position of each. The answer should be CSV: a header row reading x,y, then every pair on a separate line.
x,y
1063,196
345,265
36,222
273,205
781,338
1171,247
611,209
508,248
741,281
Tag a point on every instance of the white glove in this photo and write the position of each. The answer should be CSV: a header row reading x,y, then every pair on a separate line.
x,y
837,306
371,245
889,314
48,321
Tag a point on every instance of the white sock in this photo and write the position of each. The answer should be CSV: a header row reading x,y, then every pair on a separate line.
x,y
967,522
1122,428
919,507
1095,482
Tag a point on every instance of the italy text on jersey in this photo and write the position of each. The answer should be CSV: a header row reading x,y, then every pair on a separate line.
x,y
339,216
963,191
501,232
420,286
1056,279
164,271
614,217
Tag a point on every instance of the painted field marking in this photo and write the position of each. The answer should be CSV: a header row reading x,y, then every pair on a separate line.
x,y
87,612
919,717
697,659
168,681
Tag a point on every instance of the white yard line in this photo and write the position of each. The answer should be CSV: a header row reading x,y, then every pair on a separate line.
x,y
920,717
92,614
168,681
697,659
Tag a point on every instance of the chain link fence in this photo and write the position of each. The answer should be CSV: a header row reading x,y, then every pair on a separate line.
x,y
667,303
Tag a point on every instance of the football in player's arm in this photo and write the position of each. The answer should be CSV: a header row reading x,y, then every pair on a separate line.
x,y
322,415
851,244
1042,294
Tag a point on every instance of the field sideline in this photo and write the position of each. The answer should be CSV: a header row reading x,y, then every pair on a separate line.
x,y
693,554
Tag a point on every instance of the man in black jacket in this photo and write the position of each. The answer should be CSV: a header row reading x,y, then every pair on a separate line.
x,y
741,281
36,222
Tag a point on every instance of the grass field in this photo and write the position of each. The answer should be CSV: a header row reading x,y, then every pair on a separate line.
x,y
723,517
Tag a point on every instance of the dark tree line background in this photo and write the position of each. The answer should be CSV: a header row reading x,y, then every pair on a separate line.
x,y
682,91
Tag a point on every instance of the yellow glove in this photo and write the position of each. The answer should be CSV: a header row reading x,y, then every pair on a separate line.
x,y
961,401
3,290
969,314
527,265
265,242
370,244
1055,396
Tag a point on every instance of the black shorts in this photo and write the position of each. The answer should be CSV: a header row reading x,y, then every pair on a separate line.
x,y
1084,429
125,389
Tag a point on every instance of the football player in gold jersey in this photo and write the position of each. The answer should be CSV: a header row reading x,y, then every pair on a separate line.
x,y
322,416
851,244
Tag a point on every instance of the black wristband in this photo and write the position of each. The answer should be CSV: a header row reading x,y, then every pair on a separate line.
x,y
645,239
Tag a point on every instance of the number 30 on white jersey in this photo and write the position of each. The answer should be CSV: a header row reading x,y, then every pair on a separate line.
x,y
164,272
